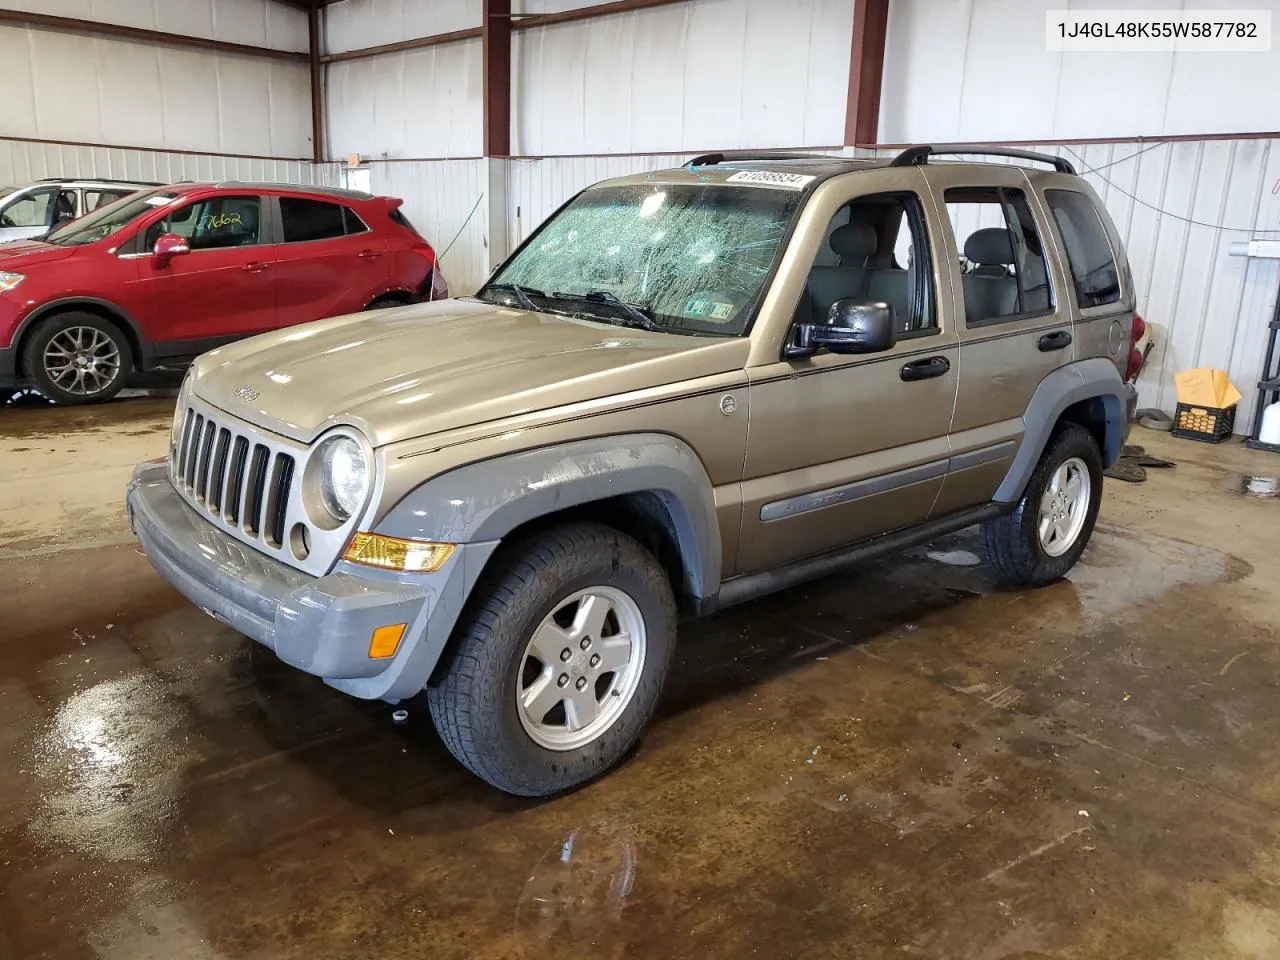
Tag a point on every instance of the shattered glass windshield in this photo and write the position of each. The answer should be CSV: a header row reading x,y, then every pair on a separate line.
x,y
681,258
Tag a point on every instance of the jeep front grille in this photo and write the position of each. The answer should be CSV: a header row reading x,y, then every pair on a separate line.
x,y
234,477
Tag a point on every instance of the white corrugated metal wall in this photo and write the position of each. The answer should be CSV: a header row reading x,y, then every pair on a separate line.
x,y
978,70
445,200
705,74
22,162
65,87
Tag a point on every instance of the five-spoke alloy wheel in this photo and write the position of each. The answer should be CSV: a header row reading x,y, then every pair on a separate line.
x,y
1047,530
581,668
557,663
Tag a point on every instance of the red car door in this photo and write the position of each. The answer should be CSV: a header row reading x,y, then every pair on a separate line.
x,y
328,261
222,290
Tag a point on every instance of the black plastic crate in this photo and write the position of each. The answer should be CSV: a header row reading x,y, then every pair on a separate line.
x,y
1206,424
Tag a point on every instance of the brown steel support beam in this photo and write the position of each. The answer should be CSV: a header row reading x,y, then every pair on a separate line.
x,y
315,39
583,13
454,36
866,72
95,28
516,21
496,27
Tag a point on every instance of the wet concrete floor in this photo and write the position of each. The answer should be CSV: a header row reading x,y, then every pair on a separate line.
x,y
905,760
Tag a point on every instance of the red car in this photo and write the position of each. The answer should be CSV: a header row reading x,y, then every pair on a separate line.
x,y
160,276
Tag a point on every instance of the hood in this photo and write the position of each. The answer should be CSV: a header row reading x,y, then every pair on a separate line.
x,y
423,369
18,254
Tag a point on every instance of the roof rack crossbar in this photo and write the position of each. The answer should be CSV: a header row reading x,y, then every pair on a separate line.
x,y
711,159
920,154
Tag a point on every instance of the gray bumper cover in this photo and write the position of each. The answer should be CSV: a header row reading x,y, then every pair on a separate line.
x,y
318,624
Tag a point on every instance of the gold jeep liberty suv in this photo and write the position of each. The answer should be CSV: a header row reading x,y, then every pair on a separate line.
x,y
685,389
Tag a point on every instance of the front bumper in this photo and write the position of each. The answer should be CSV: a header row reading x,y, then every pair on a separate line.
x,y
318,624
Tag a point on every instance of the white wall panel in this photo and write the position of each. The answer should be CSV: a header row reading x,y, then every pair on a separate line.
x,y
695,75
59,86
22,162
259,23
439,197
354,24
419,103
953,73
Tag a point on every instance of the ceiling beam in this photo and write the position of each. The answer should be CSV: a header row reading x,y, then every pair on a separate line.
x,y
496,27
524,22
118,31
517,22
866,72
472,33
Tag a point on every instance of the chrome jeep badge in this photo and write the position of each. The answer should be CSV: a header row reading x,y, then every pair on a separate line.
x,y
247,394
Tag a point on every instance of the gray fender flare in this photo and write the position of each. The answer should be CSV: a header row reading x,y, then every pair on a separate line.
x,y
485,501
1084,380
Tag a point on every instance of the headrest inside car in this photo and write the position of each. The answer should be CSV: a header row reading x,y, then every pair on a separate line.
x,y
989,245
854,240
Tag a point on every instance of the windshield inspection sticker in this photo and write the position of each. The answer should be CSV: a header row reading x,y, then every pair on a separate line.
x,y
769,178
712,309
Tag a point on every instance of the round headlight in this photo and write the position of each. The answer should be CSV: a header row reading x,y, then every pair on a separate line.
x,y
344,476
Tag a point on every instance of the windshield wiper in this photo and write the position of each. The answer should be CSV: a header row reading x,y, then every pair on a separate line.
x,y
641,317
522,294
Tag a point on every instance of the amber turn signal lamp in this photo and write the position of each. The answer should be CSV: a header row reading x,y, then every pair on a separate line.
x,y
392,553
386,641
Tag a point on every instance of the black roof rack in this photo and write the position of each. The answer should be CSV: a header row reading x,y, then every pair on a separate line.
x,y
711,159
139,183
918,155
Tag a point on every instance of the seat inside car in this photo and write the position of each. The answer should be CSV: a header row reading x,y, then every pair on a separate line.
x,y
989,291
856,244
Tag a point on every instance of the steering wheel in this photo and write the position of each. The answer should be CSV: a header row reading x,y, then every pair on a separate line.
x,y
6,220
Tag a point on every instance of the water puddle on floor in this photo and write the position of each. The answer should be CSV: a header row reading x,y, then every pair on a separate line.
x,y
1262,487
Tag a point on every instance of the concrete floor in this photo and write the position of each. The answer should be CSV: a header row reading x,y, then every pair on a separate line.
x,y
906,760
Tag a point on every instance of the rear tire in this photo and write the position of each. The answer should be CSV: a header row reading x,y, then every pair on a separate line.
x,y
387,302
76,358
1050,527
526,699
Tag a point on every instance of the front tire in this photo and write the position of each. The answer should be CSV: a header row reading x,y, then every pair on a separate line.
x,y
558,661
1048,530
75,358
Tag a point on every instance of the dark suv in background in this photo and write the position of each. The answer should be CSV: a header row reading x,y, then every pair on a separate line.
x,y
162,275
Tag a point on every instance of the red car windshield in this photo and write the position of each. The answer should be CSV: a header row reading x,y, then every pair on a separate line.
x,y
106,220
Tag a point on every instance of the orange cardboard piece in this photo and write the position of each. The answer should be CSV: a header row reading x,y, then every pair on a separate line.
x,y
1206,387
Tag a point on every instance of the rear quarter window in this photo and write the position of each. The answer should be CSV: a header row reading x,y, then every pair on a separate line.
x,y
1089,254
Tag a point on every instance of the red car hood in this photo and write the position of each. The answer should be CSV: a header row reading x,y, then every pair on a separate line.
x,y
25,253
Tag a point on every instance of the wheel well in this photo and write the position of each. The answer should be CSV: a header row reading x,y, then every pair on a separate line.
x,y
1104,418
645,516
98,310
399,297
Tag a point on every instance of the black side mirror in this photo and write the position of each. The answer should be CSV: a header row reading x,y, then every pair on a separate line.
x,y
852,326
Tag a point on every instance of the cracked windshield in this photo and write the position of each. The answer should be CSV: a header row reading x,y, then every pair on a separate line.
x,y
680,258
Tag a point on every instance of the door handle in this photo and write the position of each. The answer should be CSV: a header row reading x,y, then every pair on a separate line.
x,y
256,266
926,368
370,254
1054,341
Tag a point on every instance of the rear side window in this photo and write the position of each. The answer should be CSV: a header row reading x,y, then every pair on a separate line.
x,y
93,199
1001,256
1093,266
398,217
303,219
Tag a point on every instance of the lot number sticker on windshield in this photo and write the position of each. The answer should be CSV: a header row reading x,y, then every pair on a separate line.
x,y
770,178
